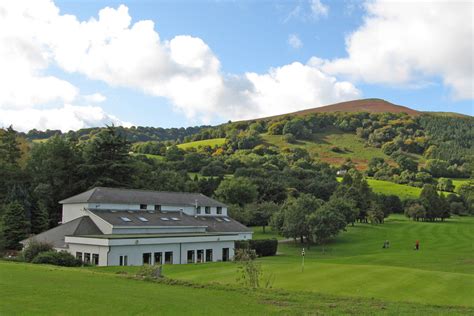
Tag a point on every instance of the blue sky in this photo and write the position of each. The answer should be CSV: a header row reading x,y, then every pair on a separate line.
x,y
254,37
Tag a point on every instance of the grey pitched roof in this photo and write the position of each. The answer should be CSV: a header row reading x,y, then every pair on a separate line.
x,y
128,196
213,224
55,236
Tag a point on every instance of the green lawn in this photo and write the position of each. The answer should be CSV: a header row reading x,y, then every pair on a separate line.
x,y
355,264
353,275
201,143
151,156
268,234
386,187
46,290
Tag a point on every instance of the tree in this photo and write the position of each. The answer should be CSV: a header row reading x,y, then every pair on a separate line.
x,y
445,184
415,211
260,214
9,146
431,201
326,223
237,190
107,160
345,207
16,226
292,219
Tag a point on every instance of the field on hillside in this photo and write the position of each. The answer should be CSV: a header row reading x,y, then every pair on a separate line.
x,y
201,143
356,265
320,146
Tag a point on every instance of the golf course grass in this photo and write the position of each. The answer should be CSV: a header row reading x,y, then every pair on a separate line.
x,y
355,264
352,275
201,143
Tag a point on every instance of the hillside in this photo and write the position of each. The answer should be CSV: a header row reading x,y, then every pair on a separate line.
x,y
373,105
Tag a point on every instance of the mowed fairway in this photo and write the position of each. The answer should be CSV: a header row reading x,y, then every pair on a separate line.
x,y
355,264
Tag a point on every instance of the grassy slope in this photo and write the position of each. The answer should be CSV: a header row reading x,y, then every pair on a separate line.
x,y
401,190
442,272
200,143
51,290
320,146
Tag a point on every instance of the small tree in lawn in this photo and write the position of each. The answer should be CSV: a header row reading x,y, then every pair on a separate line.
x,y
250,271
16,226
326,223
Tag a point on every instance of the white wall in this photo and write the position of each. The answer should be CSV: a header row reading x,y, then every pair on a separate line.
x,y
135,252
73,211
97,249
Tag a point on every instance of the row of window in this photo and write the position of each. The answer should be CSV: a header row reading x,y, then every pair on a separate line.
x,y
145,206
88,258
194,256
144,219
207,210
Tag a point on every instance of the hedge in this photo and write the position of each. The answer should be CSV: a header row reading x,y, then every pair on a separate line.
x,y
263,247
61,258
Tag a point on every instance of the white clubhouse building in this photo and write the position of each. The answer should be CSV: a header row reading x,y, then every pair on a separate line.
x,y
112,227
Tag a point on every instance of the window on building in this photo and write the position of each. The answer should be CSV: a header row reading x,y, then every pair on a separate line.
x,y
208,255
79,256
87,257
125,219
158,258
200,256
219,210
198,210
169,257
147,258
157,207
95,259
225,254
190,256
123,260
143,219
208,210
143,206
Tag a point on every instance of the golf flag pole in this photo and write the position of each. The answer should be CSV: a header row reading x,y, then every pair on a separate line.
x,y
302,263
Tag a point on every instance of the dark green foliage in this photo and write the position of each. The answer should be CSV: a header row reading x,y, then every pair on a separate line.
x,y
238,191
262,247
61,258
107,161
33,249
15,225
326,223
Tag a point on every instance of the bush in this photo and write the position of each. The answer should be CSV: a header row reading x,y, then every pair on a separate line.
x,y
262,247
34,248
61,258
289,138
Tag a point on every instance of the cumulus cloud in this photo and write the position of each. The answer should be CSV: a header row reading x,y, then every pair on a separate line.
x,y
294,41
184,69
406,42
65,118
307,11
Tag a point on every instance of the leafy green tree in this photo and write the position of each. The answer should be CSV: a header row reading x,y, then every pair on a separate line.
x,y
445,184
237,190
431,201
326,223
345,207
107,160
260,214
415,211
292,220
54,167
16,226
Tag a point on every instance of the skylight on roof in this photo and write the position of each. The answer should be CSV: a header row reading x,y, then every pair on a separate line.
x,y
218,219
226,219
143,219
125,219
175,218
164,218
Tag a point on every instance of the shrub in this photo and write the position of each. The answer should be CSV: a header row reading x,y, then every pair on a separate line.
x,y
289,138
34,248
337,149
262,247
61,258
150,271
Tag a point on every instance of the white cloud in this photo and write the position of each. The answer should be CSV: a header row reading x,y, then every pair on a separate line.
x,y
406,42
318,8
65,118
95,98
294,41
184,69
